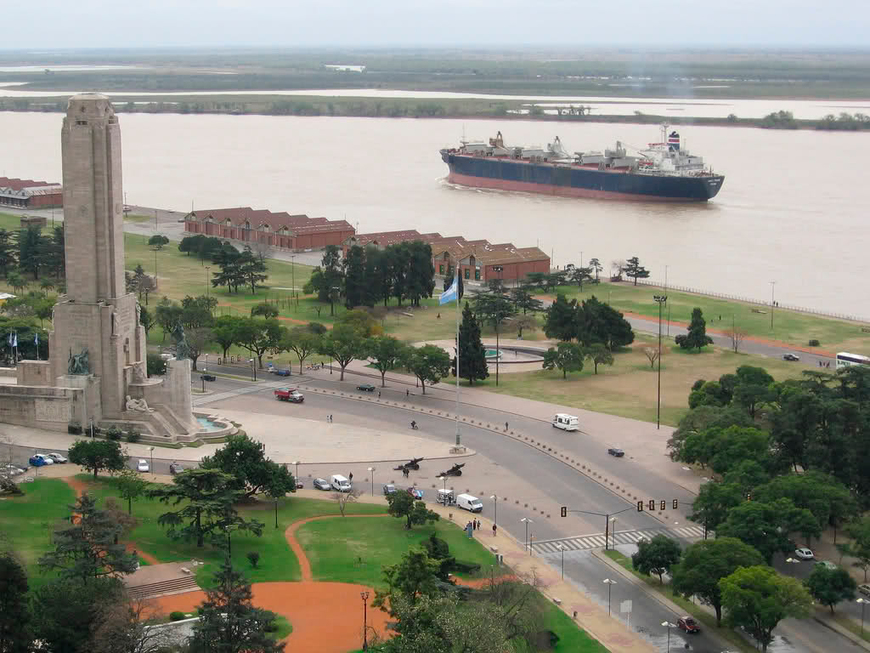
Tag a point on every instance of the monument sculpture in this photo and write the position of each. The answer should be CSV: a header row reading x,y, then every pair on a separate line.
x,y
106,382
182,349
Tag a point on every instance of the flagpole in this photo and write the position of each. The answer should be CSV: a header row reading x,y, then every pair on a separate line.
x,y
456,281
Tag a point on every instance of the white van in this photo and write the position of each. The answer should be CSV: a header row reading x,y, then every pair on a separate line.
x,y
566,422
468,502
339,483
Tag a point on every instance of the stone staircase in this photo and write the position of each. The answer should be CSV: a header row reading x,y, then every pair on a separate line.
x,y
162,588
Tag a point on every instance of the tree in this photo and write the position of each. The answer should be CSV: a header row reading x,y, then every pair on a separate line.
x,y
524,300
8,252
656,556
167,315
89,547
766,526
363,321
130,486
595,264
264,309
198,340
355,282
428,363
713,502
157,241
598,322
327,276
403,505
579,275
634,270
736,335
652,355
14,279
415,576
31,250
707,562
146,319
225,332
227,259
245,460
344,498
830,586
251,269
98,455
599,355
472,353
753,388
229,622
859,548
566,356
258,336
67,612
561,319
492,308
124,627
206,498
525,323
16,635
385,352
345,344
697,336
757,598
301,341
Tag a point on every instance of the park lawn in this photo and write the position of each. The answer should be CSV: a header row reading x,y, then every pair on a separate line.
x,y
335,546
277,562
789,326
572,638
628,388
29,521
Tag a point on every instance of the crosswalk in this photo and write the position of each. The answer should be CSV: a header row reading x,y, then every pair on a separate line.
x,y
586,542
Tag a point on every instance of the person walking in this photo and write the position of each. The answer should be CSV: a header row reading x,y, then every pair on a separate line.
x,y
407,392
350,477
494,530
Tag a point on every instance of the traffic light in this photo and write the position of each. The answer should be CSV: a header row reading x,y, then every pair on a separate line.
x,y
652,504
640,506
676,504
663,505
564,511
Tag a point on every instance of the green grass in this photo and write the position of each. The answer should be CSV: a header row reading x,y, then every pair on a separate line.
x,y
334,546
851,625
702,615
792,327
277,562
284,628
28,521
134,217
572,639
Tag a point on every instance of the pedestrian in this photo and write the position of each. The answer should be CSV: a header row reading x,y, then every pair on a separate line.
x,y
350,477
407,392
379,394
505,426
494,530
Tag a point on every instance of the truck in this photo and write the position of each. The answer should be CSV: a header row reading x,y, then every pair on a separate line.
x,y
289,394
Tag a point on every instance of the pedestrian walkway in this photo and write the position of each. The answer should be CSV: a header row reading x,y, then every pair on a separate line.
x,y
596,541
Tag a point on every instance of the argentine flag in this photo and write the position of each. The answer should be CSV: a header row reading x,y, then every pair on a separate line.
x,y
451,294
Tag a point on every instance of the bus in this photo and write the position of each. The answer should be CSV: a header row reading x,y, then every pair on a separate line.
x,y
845,359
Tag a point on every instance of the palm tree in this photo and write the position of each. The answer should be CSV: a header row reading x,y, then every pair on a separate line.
x,y
17,282
46,284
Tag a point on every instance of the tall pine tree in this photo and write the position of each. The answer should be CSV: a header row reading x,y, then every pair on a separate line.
x,y
472,353
697,336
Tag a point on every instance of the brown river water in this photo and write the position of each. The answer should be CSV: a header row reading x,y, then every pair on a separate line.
x,y
792,210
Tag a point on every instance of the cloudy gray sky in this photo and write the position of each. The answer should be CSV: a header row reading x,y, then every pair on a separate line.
x,y
290,23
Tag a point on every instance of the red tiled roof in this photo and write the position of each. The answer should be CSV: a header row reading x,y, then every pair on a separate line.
x,y
20,184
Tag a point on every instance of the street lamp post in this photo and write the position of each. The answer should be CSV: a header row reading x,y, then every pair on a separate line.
x,y
668,321
660,299
562,551
611,530
527,521
151,449
772,303
610,584
365,598
207,284
372,474
295,463
253,370
669,625
863,603
494,498
293,278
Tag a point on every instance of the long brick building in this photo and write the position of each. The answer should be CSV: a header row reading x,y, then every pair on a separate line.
x,y
29,194
279,230
479,260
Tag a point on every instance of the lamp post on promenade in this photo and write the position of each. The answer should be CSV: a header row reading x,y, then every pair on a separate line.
x,y
610,584
772,303
660,299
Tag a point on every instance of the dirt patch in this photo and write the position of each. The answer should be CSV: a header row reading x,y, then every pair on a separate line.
x,y
326,617
147,557
78,486
478,583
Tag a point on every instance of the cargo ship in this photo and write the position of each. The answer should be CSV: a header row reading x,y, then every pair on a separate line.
x,y
663,171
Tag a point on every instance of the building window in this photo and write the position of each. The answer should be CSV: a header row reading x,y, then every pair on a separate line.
x,y
467,271
441,270
477,274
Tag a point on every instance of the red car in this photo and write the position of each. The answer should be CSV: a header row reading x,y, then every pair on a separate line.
x,y
689,625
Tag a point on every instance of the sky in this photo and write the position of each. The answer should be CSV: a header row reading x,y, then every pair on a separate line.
x,y
799,24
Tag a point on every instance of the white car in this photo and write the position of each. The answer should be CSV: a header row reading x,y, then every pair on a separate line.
x,y
803,554
142,466
56,457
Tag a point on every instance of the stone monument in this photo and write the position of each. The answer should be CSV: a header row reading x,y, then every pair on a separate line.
x,y
97,346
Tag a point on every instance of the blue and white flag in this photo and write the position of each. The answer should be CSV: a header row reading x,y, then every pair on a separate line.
x,y
12,340
451,294
36,339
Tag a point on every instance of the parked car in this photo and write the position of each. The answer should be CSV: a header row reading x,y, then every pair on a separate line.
x,y
175,468
11,470
389,488
619,453
366,387
282,372
321,484
208,377
826,563
38,460
864,589
340,483
415,492
688,624
803,554
142,466
56,457
790,357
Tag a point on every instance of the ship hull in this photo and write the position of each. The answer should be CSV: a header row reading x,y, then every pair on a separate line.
x,y
575,181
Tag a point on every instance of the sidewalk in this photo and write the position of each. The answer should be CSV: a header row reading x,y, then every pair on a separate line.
x,y
611,632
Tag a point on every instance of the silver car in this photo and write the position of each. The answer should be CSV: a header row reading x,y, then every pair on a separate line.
x,y
56,457
321,484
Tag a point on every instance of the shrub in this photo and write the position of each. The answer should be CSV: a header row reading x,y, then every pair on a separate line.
x,y
253,558
177,616
436,548
466,567
814,342
114,433
74,428
155,365
133,436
